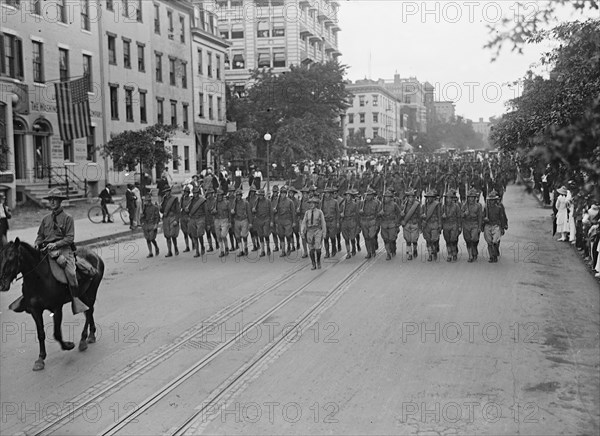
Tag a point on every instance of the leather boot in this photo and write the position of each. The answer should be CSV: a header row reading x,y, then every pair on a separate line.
x,y
491,253
318,259
313,259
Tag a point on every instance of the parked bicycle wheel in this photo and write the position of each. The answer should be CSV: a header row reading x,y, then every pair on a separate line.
x,y
95,214
125,216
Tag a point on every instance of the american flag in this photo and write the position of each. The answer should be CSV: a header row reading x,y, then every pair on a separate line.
x,y
73,108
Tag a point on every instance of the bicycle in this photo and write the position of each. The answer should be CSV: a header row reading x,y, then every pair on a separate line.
x,y
96,216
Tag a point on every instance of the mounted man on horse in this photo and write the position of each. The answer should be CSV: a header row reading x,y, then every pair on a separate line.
x,y
54,273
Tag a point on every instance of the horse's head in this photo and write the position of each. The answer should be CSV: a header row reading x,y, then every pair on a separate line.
x,y
9,264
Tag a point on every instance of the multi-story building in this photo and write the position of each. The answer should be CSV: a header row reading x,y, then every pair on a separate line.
x,y
414,98
275,34
445,111
209,62
483,128
374,113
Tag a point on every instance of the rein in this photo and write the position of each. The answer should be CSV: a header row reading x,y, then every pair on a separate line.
x,y
33,269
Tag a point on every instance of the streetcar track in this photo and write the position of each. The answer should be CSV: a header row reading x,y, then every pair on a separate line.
x,y
102,390
176,382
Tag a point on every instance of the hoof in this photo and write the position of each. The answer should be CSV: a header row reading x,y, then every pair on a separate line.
x,y
38,365
83,345
91,339
68,346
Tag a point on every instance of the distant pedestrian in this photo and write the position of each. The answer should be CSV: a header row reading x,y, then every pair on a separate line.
x,y
5,215
138,204
106,198
130,201
257,179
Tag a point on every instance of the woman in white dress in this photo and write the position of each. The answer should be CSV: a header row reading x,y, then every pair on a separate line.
x,y
562,219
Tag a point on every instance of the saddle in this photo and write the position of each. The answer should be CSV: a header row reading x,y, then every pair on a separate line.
x,y
84,269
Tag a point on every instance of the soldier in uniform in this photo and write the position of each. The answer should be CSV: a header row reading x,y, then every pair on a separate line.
x,y
431,219
313,229
275,204
149,219
296,227
222,215
285,219
349,222
451,224
368,221
171,211
472,220
330,210
242,218
252,199
233,242
411,221
495,224
184,219
197,222
303,206
211,201
388,215
338,234
262,221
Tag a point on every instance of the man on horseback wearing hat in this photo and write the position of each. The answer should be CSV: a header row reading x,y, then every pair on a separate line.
x,y
56,235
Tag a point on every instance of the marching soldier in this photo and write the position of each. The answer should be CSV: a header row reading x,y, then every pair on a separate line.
x,y
472,220
338,233
171,211
451,224
495,224
149,219
197,223
285,219
303,206
275,198
184,219
313,229
262,221
389,214
411,220
296,227
242,219
211,201
432,224
329,206
252,199
231,198
349,222
368,221
222,215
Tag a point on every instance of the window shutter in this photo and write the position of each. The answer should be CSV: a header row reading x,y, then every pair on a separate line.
x,y
19,58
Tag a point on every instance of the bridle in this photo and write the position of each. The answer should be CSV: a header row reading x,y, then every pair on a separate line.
x,y
30,271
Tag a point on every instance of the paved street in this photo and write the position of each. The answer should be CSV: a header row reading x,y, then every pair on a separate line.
x,y
359,347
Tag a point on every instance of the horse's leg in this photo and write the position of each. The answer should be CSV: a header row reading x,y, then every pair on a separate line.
x,y
89,314
65,345
41,334
84,334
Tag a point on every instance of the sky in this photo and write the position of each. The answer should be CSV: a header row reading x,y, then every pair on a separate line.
x,y
440,42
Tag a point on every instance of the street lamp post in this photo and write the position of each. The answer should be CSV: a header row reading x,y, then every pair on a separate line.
x,y
267,138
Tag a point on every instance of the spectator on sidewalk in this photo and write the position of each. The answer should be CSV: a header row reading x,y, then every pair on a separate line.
x,y
130,200
106,198
138,204
257,178
5,215
562,218
167,175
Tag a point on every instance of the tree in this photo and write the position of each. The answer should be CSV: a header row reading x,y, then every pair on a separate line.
x,y
238,145
147,147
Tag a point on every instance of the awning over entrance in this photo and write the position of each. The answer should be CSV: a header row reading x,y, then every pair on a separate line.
x,y
209,129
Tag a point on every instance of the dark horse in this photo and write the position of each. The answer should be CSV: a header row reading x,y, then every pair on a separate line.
x,y
41,291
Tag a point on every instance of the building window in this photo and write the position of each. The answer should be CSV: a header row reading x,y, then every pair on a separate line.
x,y
375,100
38,62
114,102
91,145
361,100
184,75
219,111
126,53
218,66
109,5
362,132
200,61
185,114
143,115
37,7
138,12
238,61
85,14
141,58
175,158
62,10
186,159
170,21
156,19
237,34
278,26
209,64
158,67
278,59
87,72
63,56
350,118
173,113
264,60
129,104
201,107
350,132
361,118
210,107
262,29
68,151
125,5
172,72
182,27
112,50
160,115
375,132
407,100
375,117
224,34
226,62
